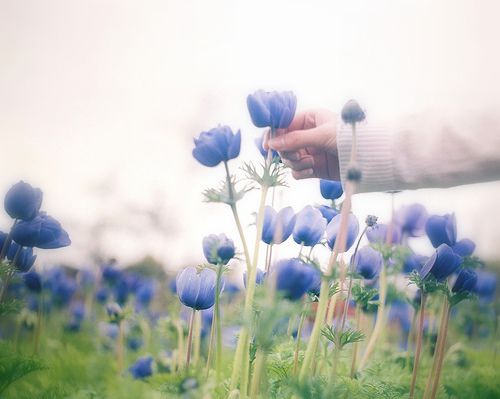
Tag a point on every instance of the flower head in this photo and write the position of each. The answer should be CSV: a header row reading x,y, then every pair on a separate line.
x,y
368,262
377,234
332,231
352,112
218,249
23,201
328,212
294,277
331,189
464,247
259,143
272,109
33,281
277,225
196,290
23,260
413,262
42,232
142,368
466,281
442,230
412,219
217,145
485,285
309,226
443,263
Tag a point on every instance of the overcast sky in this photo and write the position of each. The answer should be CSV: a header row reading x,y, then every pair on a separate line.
x,y
100,100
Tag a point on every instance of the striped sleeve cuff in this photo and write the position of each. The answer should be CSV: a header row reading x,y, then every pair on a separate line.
x,y
374,156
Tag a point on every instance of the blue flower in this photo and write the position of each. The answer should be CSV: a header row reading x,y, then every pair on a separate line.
x,y
377,234
142,368
101,295
333,227
111,274
145,293
78,311
259,143
218,249
23,201
217,145
277,225
196,290
259,277
42,232
330,189
294,277
413,262
368,262
328,212
412,219
33,281
352,112
24,260
134,343
309,226
272,109
442,263
486,285
464,247
466,281
442,230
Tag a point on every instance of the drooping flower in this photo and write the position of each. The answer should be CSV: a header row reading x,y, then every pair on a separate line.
x,y
442,230
377,234
442,263
42,232
33,281
217,145
466,281
142,368
352,112
331,189
259,143
309,226
485,285
328,212
412,219
218,249
368,262
196,290
23,201
413,262
293,277
464,247
259,277
332,231
277,225
272,109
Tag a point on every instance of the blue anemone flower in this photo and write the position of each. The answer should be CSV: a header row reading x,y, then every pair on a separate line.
x,y
23,260
196,290
142,368
331,189
442,263
368,262
272,109
217,145
42,232
294,277
412,219
33,281
259,143
328,212
259,277
332,230
377,234
442,230
413,262
464,247
466,281
277,225
218,249
309,226
486,285
23,201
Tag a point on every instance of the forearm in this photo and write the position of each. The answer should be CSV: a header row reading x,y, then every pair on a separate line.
x,y
425,151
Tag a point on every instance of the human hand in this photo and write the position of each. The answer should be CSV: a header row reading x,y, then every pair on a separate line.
x,y
309,145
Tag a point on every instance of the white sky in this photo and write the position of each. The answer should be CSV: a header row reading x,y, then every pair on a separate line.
x,y
99,101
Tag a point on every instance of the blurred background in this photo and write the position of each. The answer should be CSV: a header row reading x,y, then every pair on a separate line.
x,y
100,101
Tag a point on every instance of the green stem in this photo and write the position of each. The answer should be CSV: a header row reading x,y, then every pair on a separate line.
x,y
356,344
120,346
39,321
418,347
211,343
190,338
299,336
218,327
260,362
439,366
410,340
180,344
197,339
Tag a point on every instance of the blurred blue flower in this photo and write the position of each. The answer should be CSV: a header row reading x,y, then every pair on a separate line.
x,y
352,112
85,278
101,295
114,311
259,143
315,286
466,281
413,262
33,281
109,330
328,212
142,368
442,230
368,262
61,287
121,291
134,343
442,263
400,312
23,201
196,290
486,285
464,247
277,225
78,311
333,227
272,109
309,226
172,285
24,260
412,219
331,189
294,277
218,249
42,232
111,274
259,277
377,234
217,145
145,293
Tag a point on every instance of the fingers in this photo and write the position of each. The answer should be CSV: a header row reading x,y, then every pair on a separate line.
x,y
303,174
298,139
299,165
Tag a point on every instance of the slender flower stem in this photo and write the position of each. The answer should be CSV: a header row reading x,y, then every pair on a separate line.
x,y
356,344
190,338
418,347
410,339
120,347
180,344
299,336
197,339
39,321
260,362
218,326
441,353
211,343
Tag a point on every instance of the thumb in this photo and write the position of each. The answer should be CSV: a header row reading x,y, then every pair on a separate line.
x,y
298,139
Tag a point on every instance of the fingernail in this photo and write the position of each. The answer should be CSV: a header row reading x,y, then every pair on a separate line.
x,y
276,143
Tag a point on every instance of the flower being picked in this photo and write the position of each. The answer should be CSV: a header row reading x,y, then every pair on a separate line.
x,y
197,290
277,225
217,145
218,249
23,201
272,109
